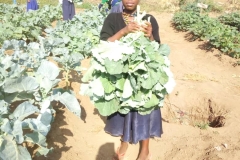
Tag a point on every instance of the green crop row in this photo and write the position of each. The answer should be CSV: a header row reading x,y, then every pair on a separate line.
x,y
15,23
219,35
232,19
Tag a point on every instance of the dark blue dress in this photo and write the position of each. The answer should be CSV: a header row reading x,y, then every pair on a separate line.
x,y
68,10
133,127
32,5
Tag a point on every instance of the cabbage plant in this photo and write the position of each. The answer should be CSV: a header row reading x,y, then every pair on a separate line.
x,y
28,79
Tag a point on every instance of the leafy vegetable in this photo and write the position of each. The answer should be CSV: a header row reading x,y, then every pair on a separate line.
x,y
130,74
27,77
77,36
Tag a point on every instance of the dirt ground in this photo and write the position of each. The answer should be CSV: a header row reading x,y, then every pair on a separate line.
x,y
200,75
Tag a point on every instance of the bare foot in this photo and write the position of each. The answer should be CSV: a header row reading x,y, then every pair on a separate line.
x,y
144,155
121,151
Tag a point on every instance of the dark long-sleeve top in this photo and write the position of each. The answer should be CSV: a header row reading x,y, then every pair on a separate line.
x,y
114,23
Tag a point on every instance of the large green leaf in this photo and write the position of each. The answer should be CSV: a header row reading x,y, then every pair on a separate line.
x,y
151,80
97,87
153,101
3,107
164,78
120,84
127,89
46,117
107,108
113,67
35,138
6,126
17,131
140,66
71,102
9,150
88,75
23,110
107,85
35,125
26,84
164,49
124,110
48,69
13,97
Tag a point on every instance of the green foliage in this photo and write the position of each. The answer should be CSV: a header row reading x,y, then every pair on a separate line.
x,y
23,25
26,77
190,7
184,20
78,35
232,19
130,74
221,36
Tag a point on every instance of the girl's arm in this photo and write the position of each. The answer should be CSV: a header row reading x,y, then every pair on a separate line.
x,y
131,27
151,29
148,31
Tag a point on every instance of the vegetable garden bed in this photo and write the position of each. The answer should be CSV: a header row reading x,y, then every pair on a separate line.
x,y
224,37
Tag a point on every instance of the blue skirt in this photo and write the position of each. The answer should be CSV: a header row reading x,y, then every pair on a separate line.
x,y
32,5
68,10
134,127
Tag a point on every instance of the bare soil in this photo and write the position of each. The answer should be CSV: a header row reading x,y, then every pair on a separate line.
x,y
201,75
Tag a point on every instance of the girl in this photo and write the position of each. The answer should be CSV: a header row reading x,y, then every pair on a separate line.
x,y
132,127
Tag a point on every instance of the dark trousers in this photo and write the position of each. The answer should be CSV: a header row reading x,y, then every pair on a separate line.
x,y
68,10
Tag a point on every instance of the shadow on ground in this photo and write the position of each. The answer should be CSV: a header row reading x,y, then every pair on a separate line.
x,y
57,137
103,118
106,152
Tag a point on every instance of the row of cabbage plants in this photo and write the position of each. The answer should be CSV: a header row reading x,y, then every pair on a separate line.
x,y
16,23
29,79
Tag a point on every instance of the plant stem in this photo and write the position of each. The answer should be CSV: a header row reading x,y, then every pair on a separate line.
x,y
66,78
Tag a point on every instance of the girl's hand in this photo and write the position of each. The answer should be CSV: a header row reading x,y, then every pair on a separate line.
x,y
147,30
131,27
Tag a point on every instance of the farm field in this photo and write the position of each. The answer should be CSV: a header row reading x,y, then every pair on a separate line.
x,y
204,79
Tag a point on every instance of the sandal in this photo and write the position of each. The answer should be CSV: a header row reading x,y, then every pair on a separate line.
x,y
119,156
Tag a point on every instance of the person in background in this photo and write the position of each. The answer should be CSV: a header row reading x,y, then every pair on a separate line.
x,y
103,2
132,127
117,6
32,5
114,6
14,1
68,9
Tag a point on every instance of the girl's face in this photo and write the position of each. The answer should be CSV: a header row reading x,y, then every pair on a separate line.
x,y
130,5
